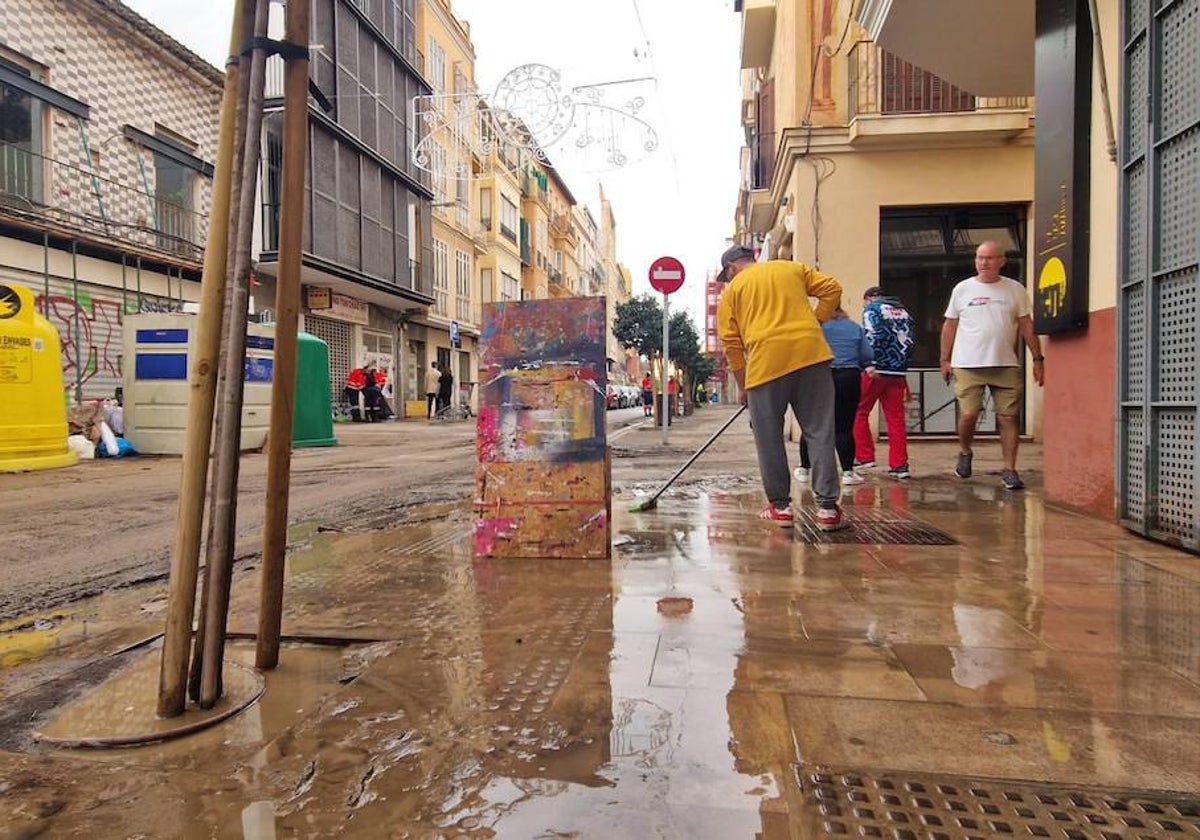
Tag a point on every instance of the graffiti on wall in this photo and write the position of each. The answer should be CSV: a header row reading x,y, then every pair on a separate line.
x,y
88,320
89,329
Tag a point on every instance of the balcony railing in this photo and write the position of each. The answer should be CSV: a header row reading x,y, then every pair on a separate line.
x,y
883,83
762,161
478,234
508,233
49,191
562,228
420,275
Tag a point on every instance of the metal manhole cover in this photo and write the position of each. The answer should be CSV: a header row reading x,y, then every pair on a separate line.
x,y
918,806
870,527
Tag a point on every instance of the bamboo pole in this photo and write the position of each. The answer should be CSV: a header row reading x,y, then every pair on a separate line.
x,y
235,193
287,313
181,600
219,566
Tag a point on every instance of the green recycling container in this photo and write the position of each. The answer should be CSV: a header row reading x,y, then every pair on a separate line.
x,y
312,424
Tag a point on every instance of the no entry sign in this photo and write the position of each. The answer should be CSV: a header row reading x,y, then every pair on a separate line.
x,y
666,275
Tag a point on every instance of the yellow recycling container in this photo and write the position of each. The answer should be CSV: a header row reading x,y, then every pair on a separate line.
x,y
33,414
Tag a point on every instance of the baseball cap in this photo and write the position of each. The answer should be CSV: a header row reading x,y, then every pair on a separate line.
x,y
732,255
874,291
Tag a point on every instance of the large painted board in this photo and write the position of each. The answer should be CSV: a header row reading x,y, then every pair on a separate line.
x,y
542,482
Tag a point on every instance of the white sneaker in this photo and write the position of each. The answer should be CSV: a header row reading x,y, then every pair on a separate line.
x,y
802,475
851,477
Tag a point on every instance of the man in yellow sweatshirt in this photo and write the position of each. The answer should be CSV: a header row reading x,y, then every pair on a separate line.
x,y
778,355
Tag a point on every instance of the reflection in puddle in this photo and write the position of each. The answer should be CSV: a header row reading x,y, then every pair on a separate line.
x,y
673,691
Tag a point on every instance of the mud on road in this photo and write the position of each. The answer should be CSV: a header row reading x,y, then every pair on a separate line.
x,y
109,524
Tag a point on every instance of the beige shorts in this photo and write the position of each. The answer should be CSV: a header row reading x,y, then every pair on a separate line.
x,y
1007,385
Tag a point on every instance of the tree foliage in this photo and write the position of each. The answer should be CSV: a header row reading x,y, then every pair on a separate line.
x,y
638,326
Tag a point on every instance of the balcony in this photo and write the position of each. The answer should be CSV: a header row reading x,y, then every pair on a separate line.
x,y
942,38
479,235
562,229
508,233
526,245
45,192
892,99
758,169
758,32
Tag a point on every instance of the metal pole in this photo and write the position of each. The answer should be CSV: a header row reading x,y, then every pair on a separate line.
x,y
46,274
181,602
287,314
223,534
666,355
78,336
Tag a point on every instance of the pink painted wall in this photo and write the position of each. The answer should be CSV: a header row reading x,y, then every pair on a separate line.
x,y
1078,417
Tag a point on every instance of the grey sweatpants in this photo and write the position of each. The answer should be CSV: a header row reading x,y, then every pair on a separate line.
x,y
809,391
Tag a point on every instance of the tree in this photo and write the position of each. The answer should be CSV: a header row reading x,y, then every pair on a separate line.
x,y
638,326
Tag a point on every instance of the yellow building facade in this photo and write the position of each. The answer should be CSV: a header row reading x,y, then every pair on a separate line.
x,y
877,172
448,331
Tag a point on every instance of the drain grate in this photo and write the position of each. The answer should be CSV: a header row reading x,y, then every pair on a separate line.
x,y
871,527
916,806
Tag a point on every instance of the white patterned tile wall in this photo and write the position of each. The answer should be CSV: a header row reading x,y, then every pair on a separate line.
x,y
93,55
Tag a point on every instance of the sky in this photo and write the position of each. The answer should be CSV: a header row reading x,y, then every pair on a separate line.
x,y
676,200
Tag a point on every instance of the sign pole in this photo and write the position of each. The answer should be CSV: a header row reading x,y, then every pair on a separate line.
x,y
666,276
666,355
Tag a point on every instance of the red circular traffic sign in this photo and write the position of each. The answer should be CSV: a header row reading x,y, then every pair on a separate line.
x,y
666,275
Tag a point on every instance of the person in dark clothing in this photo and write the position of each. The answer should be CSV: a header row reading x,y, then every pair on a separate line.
x,y
890,330
852,359
445,388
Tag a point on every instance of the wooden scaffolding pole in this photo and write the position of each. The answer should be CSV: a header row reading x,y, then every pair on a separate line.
x,y
227,447
235,197
287,314
181,601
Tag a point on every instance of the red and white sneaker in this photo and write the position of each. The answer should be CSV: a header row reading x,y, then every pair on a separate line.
x,y
780,515
831,519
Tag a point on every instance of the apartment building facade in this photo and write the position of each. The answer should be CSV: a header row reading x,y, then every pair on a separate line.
x,y
107,142
499,207
617,287
878,172
1121,395
448,331
367,257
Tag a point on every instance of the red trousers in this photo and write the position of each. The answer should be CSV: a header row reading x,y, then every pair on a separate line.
x,y
890,392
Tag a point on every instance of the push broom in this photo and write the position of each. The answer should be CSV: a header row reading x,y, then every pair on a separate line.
x,y
652,502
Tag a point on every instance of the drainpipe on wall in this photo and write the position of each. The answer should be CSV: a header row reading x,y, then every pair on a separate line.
x,y
1098,42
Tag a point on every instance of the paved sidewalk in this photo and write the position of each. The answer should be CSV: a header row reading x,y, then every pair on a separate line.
x,y
721,677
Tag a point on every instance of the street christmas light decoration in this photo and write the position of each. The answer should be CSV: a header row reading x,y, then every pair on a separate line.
x,y
532,111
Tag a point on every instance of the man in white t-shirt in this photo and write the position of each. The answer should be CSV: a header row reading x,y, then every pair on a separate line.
x,y
979,347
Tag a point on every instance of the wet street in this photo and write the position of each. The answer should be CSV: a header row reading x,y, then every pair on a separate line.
x,y
964,662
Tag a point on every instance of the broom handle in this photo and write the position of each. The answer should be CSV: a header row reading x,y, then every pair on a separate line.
x,y
698,452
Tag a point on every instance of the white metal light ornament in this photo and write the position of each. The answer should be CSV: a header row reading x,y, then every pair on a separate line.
x,y
531,112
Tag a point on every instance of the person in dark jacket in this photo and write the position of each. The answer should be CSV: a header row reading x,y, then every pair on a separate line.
x,y
852,360
445,388
889,330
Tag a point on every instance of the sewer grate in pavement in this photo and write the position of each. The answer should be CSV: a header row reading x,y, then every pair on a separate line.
x,y
918,806
870,527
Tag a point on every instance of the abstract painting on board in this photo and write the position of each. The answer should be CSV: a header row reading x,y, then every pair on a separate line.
x,y
542,481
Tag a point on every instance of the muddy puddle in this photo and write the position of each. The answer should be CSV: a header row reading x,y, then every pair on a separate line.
x,y
673,691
